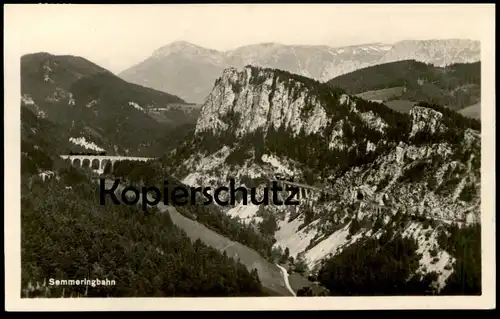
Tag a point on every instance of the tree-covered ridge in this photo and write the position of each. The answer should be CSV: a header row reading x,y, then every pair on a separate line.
x,y
329,94
109,87
88,101
281,74
66,234
61,71
387,265
65,70
456,86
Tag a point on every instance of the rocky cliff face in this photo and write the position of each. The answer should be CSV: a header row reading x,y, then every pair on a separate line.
x,y
410,173
270,103
189,71
264,99
425,120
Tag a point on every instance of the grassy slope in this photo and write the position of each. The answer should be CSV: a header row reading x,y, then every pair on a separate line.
x,y
473,111
383,94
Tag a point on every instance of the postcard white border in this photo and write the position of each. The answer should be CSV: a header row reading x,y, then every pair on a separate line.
x,y
12,212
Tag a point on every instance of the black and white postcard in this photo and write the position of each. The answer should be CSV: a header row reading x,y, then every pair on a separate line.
x,y
252,156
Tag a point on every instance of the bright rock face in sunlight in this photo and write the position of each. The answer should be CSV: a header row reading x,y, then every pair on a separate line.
x,y
259,106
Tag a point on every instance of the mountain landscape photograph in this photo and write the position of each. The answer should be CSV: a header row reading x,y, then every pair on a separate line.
x,y
375,133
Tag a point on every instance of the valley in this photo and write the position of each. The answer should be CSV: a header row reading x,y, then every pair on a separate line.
x,y
269,274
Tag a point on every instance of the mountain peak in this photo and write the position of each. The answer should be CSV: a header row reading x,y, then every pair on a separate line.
x,y
182,43
181,46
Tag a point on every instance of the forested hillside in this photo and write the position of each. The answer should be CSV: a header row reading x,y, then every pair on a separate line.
x,y
66,234
98,109
455,86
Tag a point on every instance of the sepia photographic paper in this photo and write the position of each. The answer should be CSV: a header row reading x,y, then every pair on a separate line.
x,y
249,157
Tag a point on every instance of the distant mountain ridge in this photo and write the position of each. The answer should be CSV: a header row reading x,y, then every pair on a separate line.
x,y
189,70
440,53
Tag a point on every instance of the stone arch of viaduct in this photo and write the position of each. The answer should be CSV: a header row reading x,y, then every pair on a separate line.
x,y
99,162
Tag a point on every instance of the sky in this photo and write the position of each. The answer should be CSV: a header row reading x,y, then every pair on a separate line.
x,y
119,36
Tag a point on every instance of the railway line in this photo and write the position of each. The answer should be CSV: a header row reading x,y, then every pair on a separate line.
x,y
369,203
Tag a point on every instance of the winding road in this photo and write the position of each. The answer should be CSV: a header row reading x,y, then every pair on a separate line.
x,y
285,277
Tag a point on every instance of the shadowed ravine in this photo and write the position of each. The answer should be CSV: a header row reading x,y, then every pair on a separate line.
x,y
270,275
